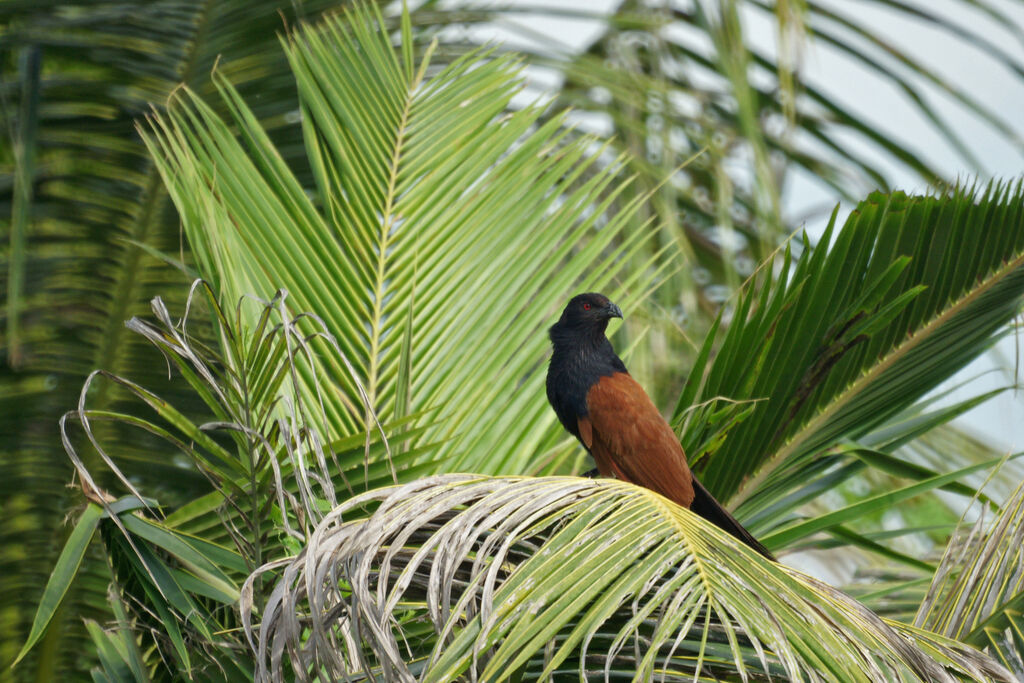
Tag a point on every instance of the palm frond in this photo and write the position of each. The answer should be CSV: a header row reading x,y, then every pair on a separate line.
x,y
120,656
95,241
440,225
978,590
90,215
269,474
673,80
851,332
568,575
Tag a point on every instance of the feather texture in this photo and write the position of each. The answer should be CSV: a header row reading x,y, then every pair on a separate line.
x,y
634,441
599,403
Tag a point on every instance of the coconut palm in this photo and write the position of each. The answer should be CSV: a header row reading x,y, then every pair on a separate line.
x,y
439,221
421,344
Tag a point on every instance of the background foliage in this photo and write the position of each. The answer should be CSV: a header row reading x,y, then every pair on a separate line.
x,y
93,238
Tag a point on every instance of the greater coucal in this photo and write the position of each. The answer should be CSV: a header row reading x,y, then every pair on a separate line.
x,y
598,401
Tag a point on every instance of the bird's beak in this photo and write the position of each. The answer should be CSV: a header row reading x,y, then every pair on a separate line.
x,y
613,311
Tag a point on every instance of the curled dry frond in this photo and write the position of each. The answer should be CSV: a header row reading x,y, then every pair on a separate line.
x,y
978,588
470,576
253,390
268,477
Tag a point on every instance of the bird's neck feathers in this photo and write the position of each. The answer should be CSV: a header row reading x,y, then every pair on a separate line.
x,y
580,358
586,351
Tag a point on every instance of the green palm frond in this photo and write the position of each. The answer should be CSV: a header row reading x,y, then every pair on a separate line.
x,y
119,653
536,576
440,226
882,467
82,255
850,333
270,478
92,237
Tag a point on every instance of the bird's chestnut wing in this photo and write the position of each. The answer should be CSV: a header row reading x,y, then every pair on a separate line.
x,y
631,439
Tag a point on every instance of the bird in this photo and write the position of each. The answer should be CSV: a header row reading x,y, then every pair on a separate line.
x,y
599,402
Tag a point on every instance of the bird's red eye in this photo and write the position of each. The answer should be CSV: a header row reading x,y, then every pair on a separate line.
x,y
586,307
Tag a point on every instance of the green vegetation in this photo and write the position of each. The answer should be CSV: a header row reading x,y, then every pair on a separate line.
x,y
355,310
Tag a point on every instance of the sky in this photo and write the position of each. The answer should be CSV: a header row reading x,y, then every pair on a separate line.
x,y
952,58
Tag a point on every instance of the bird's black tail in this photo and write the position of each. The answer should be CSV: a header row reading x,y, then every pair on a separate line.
x,y
705,505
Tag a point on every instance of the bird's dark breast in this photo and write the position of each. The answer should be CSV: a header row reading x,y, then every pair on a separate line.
x,y
571,374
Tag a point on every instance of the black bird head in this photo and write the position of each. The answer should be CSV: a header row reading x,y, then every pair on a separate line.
x,y
586,315
581,355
